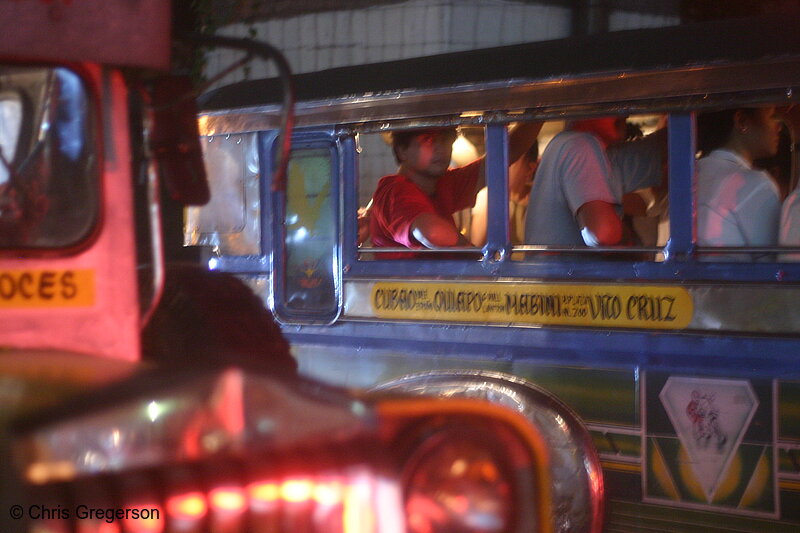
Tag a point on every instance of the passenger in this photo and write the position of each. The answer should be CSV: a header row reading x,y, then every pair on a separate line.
x,y
414,208
779,166
736,204
575,199
639,164
520,181
789,234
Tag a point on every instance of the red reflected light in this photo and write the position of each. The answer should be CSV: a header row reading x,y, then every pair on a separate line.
x,y
187,506
227,499
264,491
107,527
328,493
357,512
297,490
460,482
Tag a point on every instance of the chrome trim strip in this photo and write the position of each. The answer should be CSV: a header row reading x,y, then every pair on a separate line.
x,y
551,98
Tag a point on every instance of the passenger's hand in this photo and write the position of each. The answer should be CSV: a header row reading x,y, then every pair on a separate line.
x,y
363,225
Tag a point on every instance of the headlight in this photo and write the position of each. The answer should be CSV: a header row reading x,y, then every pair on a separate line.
x,y
468,466
575,472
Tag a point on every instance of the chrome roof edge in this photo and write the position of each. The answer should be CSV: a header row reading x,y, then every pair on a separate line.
x,y
693,86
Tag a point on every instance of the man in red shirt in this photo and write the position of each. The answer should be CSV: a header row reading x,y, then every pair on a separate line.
x,y
414,207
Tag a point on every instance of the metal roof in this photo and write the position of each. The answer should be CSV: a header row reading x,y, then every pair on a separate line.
x,y
616,52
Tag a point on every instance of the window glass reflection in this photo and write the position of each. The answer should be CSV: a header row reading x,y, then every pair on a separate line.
x,y
310,227
48,180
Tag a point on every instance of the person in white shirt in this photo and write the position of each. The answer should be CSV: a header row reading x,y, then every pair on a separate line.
x,y
737,205
576,200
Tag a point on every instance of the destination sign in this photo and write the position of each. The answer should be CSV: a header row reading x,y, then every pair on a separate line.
x,y
46,288
623,306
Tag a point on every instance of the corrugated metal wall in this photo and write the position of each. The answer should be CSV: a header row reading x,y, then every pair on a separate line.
x,y
320,41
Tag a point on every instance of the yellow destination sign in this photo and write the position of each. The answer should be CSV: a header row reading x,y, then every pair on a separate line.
x,y
620,306
46,288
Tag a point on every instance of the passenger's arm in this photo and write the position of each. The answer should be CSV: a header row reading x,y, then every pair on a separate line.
x,y
363,223
432,231
521,138
479,219
599,223
634,204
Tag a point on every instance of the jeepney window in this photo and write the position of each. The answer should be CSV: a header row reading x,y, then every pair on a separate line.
x,y
744,181
310,233
599,183
48,164
622,158
377,160
230,223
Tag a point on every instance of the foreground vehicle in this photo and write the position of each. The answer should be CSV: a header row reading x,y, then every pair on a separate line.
x,y
95,441
681,358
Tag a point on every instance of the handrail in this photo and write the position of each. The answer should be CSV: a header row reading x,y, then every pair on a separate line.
x,y
268,52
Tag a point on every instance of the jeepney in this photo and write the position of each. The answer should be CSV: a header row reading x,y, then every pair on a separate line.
x,y
684,367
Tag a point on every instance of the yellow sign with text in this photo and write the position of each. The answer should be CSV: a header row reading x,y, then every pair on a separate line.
x,y
46,288
619,306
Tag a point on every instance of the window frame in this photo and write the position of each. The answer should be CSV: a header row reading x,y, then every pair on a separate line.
x,y
681,262
275,235
90,81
